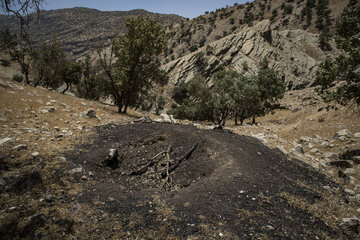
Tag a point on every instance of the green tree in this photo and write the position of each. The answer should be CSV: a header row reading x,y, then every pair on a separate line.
x,y
339,78
135,70
88,86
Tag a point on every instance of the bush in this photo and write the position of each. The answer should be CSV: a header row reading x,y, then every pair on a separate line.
x,y
18,78
5,62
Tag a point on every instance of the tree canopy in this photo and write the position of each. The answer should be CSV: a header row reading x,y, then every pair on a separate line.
x,y
135,69
339,78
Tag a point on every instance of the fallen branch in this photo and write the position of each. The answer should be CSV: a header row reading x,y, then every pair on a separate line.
x,y
145,168
177,162
168,179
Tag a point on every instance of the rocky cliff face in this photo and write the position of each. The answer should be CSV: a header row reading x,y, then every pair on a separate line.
x,y
294,53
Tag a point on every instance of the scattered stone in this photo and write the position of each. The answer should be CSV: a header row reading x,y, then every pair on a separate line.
x,y
20,147
270,227
327,188
90,113
112,160
315,151
51,109
3,84
304,139
349,191
342,135
350,171
49,198
63,159
2,118
39,101
357,198
84,178
351,223
35,154
357,135
76,170
5,140
299,148
261,137
282,149
3,182
330,155
84,104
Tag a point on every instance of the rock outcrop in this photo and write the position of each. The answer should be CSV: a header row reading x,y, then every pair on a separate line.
x,y
294,53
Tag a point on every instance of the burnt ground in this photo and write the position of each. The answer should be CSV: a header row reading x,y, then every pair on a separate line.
x,y
180,182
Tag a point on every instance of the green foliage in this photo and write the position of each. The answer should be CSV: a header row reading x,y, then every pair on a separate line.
x,y
160,104
4,62
343,71
135,71
230,93
89,85
17,78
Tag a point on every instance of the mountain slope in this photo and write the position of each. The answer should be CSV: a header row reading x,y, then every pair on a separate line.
x,y
80,29
295,53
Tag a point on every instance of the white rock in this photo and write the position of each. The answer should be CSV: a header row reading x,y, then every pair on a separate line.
x,y
357,135
349,191
5,140
20,147
350,222
342,134
35,154
76,170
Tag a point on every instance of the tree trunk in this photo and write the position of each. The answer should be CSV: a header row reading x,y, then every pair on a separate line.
x,y
125,109
236,118
253,121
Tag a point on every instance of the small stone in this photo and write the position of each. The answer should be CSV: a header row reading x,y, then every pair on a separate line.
x,y
90,113
270,227
91,174
3,182
349,191
63,159
330,155
221,235
76,170
49,198
357,198
51,109
350,222
5,140
357,135
20,147
35,154
299,148
342,134
84,178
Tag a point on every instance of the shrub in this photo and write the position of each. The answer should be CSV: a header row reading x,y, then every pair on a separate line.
x,y
5,62
18,78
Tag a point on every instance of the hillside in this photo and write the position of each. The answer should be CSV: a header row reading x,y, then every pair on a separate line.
x,y
54,184
282,14
81,29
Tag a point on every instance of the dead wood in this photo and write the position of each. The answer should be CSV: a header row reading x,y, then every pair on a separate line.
x,y
178,161
145,168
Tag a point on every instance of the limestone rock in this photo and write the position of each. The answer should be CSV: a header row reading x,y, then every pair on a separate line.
x,y
342,134
5,140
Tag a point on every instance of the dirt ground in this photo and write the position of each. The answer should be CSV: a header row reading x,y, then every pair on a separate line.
x,y
230,186
171,181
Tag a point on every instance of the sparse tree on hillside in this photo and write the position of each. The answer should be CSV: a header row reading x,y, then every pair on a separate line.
x,y
135,70
343,71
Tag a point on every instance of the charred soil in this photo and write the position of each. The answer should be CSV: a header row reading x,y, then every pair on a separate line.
x,y
173,181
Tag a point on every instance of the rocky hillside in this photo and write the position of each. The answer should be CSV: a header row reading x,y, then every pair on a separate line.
x,y
295,53
80,29
314,16
287,33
